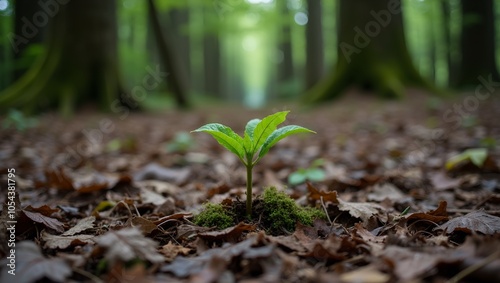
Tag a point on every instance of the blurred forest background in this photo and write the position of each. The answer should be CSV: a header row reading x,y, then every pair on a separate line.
x,y
62,54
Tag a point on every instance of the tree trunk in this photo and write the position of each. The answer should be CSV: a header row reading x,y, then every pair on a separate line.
x,y
176,74
285,66
372,52
314,44
28,30
477,42
211,65
80,63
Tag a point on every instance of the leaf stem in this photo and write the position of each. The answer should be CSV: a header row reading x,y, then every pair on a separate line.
x,y
249,190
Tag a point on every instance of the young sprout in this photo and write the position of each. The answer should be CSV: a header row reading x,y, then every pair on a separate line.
x,y
259,137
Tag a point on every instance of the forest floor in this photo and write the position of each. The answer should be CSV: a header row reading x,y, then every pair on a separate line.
x,y
105,198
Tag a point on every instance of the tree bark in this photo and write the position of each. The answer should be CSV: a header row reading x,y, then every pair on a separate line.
x,y
372,52
80,64
314,44
285,66
176,74
477,42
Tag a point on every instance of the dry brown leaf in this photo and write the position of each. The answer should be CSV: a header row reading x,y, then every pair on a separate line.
x,y
315,194
32,266
127,244
44,209
82,225
435,216
477,221
84,181
171,251
230,234
154,171
361,210
385,191
146,226
48,222
63,242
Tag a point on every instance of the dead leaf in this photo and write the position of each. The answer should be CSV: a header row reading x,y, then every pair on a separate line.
x,y
385,191
230,234
146,226
148,196
154,171
82,225
435,216
127,244
48,222
361,210
170,251
477,221
32,266
84,181
63,242
44,209
441,181
315,194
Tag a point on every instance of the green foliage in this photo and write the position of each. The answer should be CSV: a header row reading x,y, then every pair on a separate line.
x,y
259,137
281,212
312,173
488,142
17,120
214,215
181,143
475,155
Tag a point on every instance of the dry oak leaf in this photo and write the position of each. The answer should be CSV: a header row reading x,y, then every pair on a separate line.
x,y
32,266
82,225
170,251
477,221
127,244
63,242
438,215
316,194
366,274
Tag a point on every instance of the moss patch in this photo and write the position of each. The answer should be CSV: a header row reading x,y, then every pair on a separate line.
x,y
280,212
214,215
274,212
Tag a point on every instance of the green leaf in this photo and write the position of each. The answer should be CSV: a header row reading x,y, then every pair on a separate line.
x,y
315,174
296,178
266,127
475,155
280,134
226,137
248,140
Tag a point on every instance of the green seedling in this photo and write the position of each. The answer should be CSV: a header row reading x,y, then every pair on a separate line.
x,y
475,155
18,120
181,143
313,174
259,137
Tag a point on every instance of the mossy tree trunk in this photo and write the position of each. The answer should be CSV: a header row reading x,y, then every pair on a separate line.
x,y
372,52
477,42
80,64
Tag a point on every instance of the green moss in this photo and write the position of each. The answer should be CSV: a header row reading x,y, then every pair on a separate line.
x,y
281,212
214,215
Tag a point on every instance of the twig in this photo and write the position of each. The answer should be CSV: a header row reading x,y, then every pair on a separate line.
x,y
471,269
326,212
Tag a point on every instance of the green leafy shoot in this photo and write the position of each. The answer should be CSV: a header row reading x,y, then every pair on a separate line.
x,y
476,156
259,137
